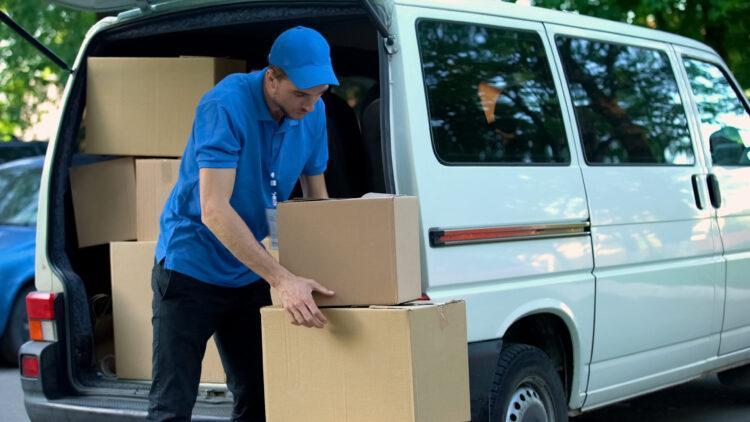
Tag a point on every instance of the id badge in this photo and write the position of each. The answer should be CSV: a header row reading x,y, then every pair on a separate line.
x,y
272,228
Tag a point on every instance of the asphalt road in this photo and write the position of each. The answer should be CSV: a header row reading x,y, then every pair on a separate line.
x,y
703,400
11,397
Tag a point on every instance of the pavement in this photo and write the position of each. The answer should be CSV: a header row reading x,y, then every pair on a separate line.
x,y
703,400
11,395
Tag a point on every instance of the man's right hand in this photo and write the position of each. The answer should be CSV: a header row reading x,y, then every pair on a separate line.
x,y
296,298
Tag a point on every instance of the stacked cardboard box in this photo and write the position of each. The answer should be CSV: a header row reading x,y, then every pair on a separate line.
x,y
145,106
140,108
384,360
121,199
131,264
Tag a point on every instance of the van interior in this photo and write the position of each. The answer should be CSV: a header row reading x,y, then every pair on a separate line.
x,y
240,32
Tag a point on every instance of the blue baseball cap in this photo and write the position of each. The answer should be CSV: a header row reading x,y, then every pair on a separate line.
x,y
303,54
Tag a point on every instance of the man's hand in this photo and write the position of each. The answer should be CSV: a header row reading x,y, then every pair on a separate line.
x,y
296,298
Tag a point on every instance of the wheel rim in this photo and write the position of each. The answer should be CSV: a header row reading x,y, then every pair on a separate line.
x,y
529,403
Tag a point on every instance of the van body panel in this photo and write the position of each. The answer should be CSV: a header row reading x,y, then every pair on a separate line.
x,y
496,306
500,282
46,279
733,216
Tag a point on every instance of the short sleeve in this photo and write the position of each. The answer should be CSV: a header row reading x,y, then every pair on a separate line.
x,y
216,143
318,161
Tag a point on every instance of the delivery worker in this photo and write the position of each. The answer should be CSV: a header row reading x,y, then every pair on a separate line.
x,y
253,137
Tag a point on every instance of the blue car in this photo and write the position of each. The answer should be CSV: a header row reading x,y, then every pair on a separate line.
x,y
19,184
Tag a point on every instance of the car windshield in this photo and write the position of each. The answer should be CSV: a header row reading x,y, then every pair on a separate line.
x,y
20,188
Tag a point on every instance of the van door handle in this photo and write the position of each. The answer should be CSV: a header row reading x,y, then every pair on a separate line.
x,y
697,192
713,190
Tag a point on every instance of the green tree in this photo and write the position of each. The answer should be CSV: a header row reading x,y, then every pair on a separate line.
x,y
26,74
722,24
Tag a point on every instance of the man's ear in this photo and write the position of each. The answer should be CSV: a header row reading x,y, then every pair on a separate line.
x,y
273,82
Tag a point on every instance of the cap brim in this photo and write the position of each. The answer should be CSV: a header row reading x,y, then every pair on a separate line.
x,y
306,77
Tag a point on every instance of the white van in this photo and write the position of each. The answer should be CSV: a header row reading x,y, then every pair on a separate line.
x,y
584,186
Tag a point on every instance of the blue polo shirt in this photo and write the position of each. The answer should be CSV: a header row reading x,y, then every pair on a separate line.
x,y
233,128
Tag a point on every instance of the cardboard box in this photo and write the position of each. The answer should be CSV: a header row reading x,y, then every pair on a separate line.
x,y
131,264
398,363
364,249
104,201
145,106
154,180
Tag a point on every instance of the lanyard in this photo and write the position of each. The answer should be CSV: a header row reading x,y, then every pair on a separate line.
x,y
274,154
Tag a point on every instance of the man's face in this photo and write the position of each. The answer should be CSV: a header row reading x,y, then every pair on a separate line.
x,y
294,102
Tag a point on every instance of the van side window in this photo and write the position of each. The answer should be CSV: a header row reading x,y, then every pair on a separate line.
x,y
725,122
491,97
626,102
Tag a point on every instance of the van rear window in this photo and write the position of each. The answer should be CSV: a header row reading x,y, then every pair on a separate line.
x,y
627,104
491,97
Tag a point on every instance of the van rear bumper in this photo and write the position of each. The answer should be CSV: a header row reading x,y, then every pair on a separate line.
x,y
96,408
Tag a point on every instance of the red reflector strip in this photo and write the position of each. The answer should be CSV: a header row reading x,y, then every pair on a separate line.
x,y
499,234
29,366
483,234
40,305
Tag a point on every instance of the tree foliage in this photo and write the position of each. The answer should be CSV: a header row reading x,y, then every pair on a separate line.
x,y
26,74
722,24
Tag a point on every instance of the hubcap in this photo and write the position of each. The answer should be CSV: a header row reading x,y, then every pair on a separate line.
x,y
526,405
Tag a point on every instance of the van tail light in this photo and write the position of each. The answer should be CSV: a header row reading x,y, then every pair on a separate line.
x,y
29,366
40,307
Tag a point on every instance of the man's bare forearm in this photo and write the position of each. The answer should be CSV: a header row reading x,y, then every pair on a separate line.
x,y
231,230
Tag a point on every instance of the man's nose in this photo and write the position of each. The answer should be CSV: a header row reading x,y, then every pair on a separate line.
x,y
309,105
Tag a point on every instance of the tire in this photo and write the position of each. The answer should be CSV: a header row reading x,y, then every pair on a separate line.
x,y
17,331
736,377
526,387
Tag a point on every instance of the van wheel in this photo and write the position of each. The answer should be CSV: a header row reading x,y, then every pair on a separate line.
x,y
736,377
526,387
17,330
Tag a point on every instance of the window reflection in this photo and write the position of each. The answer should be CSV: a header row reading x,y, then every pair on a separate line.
x,y
725,122
626,102
491,95
20,187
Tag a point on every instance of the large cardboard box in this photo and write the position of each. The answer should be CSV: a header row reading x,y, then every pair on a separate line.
x,y
145,106
366,249
131,308
154,180
104,201
121,199
397,363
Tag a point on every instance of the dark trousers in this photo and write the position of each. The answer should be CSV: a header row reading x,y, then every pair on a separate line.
x,y
186,312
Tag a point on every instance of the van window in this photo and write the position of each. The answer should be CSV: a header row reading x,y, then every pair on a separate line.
x,y
491,97
626,103
725,122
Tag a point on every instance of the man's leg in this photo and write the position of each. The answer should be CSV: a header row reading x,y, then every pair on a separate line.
x,y
238,338
183,321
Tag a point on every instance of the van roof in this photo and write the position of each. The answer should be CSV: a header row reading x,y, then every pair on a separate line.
x,y
512,10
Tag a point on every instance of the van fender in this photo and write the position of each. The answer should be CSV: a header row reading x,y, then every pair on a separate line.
x,y
564,312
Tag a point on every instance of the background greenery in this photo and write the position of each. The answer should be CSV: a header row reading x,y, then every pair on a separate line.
x,y
25,75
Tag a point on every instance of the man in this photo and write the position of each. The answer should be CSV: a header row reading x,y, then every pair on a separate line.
x,y
253,137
